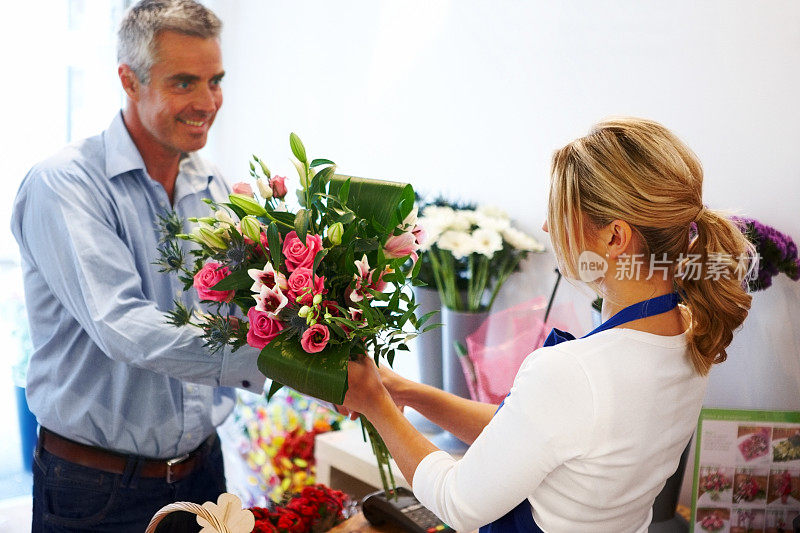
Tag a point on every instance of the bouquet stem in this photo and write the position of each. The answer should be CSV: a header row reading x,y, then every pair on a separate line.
x,y
381,454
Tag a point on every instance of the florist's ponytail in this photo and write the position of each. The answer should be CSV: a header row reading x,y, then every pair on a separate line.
x,y
715,293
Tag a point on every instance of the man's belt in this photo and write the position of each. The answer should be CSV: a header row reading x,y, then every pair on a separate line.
x,y
171,470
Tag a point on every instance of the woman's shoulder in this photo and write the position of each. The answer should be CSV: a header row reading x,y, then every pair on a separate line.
x,y
611,348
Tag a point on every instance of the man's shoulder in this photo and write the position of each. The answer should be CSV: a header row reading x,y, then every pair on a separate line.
x,y
82,160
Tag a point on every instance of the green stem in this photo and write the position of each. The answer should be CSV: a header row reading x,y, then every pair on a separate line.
x,y
382,455
443,273
273,219
505,271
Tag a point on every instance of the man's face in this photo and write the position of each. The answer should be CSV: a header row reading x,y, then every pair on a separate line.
x,y
178,105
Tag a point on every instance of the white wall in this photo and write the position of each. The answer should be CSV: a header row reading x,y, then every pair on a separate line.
x,y
471,98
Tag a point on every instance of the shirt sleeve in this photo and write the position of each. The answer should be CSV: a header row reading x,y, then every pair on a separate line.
x,y
544,422
70,236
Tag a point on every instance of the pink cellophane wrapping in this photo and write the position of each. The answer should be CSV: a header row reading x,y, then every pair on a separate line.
x,y
500,345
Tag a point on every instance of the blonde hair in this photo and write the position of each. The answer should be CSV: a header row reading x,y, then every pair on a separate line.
x,y
636,170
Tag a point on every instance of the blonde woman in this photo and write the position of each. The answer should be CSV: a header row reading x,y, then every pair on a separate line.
x,y
592,427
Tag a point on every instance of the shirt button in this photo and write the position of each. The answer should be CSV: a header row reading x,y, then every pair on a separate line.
x,y
245,383
189,436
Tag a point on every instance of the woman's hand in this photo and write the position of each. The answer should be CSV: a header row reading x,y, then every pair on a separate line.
x,y
365,389
397,385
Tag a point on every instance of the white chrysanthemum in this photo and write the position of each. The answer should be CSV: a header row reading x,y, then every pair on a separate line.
x,y
492,211
461,220
433,229
521,240
491,223
487,241
433,212
458,243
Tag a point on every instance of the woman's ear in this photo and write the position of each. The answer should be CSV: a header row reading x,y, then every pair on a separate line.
x,y
618,237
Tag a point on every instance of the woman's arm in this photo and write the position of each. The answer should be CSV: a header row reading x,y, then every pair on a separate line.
x,y
546,421
463,418
366,394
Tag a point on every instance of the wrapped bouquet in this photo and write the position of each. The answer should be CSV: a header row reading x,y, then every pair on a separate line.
x,y
312,288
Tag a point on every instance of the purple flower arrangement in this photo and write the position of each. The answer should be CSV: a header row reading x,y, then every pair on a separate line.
x,y
777,252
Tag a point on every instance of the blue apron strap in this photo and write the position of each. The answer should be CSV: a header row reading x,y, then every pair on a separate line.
x,y
520,518
644,309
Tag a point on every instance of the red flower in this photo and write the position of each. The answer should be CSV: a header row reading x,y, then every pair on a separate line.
x,y
315,338
263,328
208,276
300,281
299,254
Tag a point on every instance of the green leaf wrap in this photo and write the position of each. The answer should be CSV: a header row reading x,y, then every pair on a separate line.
x,y
322,375
375,200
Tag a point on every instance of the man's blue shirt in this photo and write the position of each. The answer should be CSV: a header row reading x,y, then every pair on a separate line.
x,y
106,368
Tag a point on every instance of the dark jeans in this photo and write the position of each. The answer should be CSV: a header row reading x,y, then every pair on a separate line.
x,y
68,497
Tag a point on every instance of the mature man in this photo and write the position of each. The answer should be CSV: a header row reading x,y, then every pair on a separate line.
x,y
127,404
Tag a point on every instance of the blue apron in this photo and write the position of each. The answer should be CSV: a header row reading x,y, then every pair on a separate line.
x,y
520,518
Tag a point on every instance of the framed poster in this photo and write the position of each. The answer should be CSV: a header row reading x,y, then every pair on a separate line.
x,y
746,471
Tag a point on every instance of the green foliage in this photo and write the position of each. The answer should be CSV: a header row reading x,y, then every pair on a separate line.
x,y
369,315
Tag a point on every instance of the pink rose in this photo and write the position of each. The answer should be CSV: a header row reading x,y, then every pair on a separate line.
x,y
208,276
315,338
263,328
401,246
242,188
300,280
278,186
298,254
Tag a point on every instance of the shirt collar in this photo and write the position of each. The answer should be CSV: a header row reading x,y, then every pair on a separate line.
x,y
121,153
123,156
194,175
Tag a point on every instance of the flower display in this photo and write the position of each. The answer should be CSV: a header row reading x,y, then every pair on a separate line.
x,y
713,482
747,489
301,277
756,445
275,439
777,253
314,509
474,251
712,522
784,487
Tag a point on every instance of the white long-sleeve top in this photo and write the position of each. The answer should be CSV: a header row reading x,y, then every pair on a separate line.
x,y
589,434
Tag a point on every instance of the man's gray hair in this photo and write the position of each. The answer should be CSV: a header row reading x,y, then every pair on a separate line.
x,y
145,20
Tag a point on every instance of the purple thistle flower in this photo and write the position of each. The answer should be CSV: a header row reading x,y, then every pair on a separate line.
x,y
777,252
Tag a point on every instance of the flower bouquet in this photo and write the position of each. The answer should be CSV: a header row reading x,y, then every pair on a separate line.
x,y
714,482
315,508
712,522
318,286
747,489
477,248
